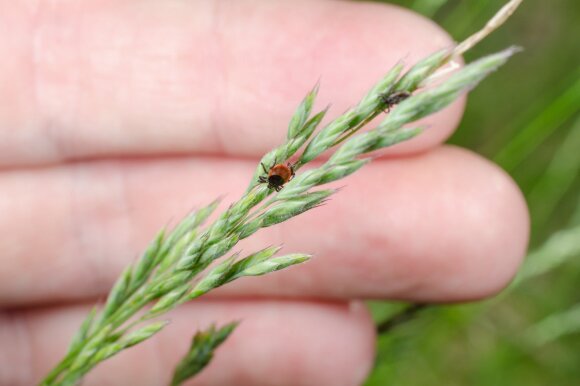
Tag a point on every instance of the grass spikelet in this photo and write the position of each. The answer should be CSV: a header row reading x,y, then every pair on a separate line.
x,y
175,266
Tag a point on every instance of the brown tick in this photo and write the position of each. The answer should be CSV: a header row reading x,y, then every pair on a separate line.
x,y
277,176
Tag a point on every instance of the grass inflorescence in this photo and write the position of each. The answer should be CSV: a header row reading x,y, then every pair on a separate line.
x,y
188,261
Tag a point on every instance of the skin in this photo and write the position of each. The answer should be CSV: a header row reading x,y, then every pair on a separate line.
x,y
116,116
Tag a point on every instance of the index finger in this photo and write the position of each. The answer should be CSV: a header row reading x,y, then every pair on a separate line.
x,y
109,78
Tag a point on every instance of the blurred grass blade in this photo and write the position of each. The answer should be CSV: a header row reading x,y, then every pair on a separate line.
x,y
562,171
540,128
555,327
559,248
460,20
428,7
576,217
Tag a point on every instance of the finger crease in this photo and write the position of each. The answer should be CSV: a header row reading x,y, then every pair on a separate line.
x,y
15,351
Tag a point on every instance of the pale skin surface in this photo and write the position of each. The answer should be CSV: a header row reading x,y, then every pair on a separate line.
x,y
117,115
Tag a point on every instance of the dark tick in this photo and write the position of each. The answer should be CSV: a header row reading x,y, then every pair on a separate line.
x,y
391,99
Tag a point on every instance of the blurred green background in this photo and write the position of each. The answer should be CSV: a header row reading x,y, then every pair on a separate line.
x,y
526,117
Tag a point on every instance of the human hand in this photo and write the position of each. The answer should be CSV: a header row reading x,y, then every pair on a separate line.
x,y
117,116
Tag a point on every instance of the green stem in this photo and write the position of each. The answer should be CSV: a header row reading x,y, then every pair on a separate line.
x,y
353,131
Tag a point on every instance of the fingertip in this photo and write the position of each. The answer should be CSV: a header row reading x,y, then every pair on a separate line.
x,y
506,245
234,80
495,223
367,337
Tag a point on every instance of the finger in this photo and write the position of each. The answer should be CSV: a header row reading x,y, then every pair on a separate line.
x,y
443,226
108,78
297,343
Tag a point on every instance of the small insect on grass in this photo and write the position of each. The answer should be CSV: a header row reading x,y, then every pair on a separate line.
x,y
277,176
391,99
